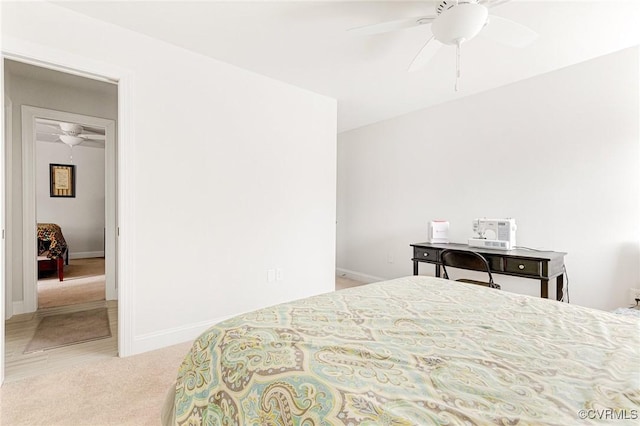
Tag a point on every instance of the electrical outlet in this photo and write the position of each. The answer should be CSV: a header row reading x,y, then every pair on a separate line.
x,y
389,258
279,274
634,296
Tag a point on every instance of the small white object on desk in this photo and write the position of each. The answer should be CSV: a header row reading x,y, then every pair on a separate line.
x,y
439,231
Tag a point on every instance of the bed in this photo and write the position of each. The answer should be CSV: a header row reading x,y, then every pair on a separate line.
x,y
52,248
412,351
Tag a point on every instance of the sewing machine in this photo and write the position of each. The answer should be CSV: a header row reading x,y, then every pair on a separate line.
x,y
494,233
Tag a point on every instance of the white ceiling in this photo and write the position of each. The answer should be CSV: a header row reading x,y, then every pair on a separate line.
x,y
32,72
306,44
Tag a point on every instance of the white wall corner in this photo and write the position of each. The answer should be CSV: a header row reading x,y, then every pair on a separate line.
x,y
358,276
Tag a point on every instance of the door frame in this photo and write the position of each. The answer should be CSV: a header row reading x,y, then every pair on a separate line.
x,y
29,205
4,295
59,60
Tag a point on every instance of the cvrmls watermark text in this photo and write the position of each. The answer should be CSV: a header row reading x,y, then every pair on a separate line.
x,y
608,414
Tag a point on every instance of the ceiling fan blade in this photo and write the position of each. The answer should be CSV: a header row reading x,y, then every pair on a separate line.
x,y
493,3
508,32
385,27
93,130
427,52
49,125
93,137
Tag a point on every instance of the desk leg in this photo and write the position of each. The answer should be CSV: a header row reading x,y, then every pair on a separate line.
x,y
415,268
544,289
437,270
559,287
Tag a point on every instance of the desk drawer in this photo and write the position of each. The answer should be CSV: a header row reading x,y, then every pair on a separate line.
x,y
495,263
523,266
428,255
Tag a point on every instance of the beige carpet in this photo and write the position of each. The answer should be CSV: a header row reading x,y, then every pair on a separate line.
x,y
344,282
60,330
84,281
118,391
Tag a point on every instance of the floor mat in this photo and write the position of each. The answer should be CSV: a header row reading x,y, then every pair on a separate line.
x,y
60,330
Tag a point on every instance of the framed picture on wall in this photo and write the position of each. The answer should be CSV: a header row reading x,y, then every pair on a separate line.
x,y
62,178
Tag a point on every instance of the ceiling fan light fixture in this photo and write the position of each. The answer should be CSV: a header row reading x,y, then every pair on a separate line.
x,y
71,140
460,23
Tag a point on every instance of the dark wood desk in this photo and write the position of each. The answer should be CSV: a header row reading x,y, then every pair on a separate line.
x,y
523,263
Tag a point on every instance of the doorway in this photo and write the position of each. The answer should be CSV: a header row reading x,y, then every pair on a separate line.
x,y
70,207
24,242
30,118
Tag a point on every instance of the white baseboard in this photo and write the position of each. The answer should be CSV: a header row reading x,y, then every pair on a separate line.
x,y
172,336
85,254
358,276
18,308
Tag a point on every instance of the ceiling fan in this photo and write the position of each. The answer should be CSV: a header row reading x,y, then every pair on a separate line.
x,y
455,22
73,134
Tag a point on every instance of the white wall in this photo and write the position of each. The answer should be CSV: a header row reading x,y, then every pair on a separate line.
x,y
559,152
49,91
82,218
235,174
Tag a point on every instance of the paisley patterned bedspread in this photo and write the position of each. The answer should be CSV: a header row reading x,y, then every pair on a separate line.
x,y
414,351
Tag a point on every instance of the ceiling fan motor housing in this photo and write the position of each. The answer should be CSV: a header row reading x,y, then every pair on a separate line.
x,y
460,23
71,129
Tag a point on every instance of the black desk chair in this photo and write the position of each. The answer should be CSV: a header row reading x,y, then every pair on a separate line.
x,y
471,260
